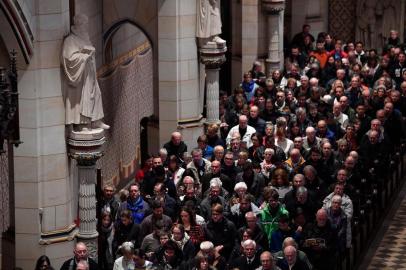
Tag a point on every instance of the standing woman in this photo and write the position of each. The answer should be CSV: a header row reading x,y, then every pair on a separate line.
x,y
106,236
195,231
126,261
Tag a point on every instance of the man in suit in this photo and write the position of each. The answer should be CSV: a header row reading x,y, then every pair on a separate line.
x,y
80,254
249,260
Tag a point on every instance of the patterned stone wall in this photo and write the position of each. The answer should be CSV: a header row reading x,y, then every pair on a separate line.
x,y
127,93
4,191
342,20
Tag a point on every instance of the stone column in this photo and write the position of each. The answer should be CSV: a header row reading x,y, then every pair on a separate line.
x,y
274,11
212,55
86,149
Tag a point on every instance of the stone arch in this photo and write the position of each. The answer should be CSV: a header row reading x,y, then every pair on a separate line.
x,y
126,82
16,31
137,33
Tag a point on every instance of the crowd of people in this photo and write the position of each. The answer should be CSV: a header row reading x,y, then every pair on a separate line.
x,y
276,183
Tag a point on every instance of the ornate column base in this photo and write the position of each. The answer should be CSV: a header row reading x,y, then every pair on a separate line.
x,y
86,148
212,55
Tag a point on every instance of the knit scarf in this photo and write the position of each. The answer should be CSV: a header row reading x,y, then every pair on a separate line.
x,y
136,208
182,242
109,237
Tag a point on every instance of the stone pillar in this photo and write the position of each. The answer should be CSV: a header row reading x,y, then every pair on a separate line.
x,y
212,55
86,149
274,11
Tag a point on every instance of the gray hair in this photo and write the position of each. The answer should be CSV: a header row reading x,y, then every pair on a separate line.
x,y
215,182
248,242
301,190
127,247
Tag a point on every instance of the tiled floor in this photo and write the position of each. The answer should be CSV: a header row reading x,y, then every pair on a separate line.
x,y
389,249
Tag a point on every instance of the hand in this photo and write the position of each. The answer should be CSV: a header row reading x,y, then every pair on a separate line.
x,y
299,229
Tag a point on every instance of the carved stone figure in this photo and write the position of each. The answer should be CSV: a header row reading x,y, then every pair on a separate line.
x,y
390,18
367,10
82,94
208,25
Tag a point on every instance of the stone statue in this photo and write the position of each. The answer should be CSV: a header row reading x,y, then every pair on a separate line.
x,y
208,25
366,12
390,18
83,101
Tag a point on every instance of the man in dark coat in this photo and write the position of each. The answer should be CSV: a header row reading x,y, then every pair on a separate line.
x,y
80,254
176,146
220,231
249,260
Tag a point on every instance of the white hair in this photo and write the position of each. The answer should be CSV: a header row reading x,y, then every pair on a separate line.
x,y
248,242
216,182
83,263
205,245
127,247
240,185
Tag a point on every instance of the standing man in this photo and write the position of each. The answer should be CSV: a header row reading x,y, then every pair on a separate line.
x,y
79,254
176,146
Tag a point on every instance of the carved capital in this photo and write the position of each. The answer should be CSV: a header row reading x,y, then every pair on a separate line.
x,y
213,57
86,149
273,7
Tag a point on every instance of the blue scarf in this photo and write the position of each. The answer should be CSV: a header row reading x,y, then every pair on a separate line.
x,y
136,208
248,87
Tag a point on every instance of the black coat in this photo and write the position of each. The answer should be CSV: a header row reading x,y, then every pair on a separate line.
x,y
71,264
221,233
176,150
242,264
130,233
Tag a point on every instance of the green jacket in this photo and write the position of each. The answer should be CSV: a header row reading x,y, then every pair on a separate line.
x,y
269,223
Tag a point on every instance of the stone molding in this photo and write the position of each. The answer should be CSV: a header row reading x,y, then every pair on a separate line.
x,y
273,7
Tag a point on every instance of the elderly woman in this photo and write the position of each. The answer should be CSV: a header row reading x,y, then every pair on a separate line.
x,y
126,261
267,166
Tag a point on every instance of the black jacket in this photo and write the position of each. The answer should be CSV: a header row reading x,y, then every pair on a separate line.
x,y
221,233
71,264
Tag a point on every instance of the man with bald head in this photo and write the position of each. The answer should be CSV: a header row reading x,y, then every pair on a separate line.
x,y
295,161
243,129
255,121
81,255
320,242
290,260
267,261
176,146
227,184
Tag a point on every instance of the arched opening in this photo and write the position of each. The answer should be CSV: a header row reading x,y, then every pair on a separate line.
x,y
126,82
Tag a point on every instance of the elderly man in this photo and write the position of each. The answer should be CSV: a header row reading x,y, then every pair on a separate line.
x,y
239,210
267,262
255,121
216,172
214,197
340,223
346,202
258,234
82,265
290,261
310,140
320,242
295,162
300,255
176,146
199,165
341,118
249,260
80,254
243,129
108,202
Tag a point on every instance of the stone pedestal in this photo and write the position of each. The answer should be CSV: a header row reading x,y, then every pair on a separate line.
x,y
212,55
86,148
274,10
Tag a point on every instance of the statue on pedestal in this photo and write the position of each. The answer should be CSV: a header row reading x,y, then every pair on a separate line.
x,y
208,25
84,109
